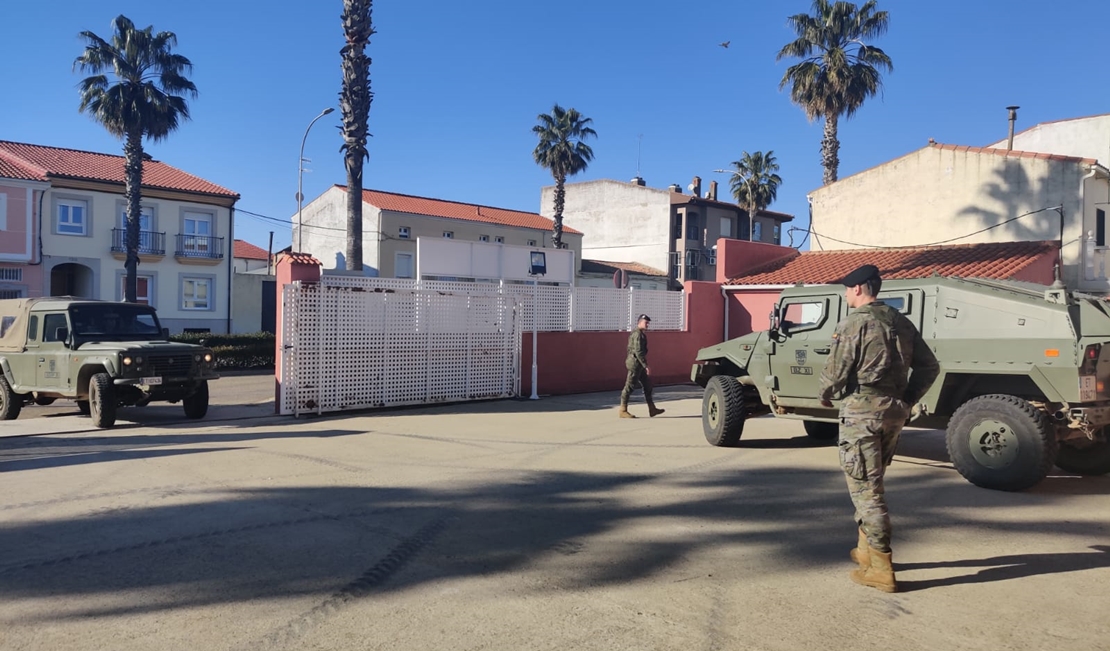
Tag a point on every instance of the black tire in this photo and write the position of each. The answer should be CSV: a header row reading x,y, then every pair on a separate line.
x,y
10,402
1090,459
196,405
102,400
1001,442
821,431
83,407
722,411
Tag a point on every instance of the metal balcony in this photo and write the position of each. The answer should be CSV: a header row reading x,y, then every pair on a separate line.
x,y
199,247
150,242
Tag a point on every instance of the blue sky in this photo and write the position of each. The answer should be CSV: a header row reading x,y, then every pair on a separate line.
x,y
458,86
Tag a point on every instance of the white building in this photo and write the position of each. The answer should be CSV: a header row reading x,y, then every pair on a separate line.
x,y
185,268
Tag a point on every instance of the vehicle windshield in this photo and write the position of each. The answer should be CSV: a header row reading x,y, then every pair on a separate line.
x,y
114,321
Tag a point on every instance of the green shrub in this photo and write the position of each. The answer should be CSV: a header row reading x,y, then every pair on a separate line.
x,y
245,351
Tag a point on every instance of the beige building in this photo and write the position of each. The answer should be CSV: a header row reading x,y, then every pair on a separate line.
x,y
598,273
392,222
1086,137
662,229
943,194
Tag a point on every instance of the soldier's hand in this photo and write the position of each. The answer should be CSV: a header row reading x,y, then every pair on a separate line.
x,y
647,370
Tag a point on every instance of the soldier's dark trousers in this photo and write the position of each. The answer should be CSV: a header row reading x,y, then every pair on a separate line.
x,y
637,376
869,431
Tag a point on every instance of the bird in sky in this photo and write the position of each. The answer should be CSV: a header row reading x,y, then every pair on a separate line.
x,y
725,44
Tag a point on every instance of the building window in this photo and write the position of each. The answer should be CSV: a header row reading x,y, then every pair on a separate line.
x,y
757,233
483,238
726,227
531,242
10,292
499,239
1100,227
196,293
693,229
449,234
72,217
404,232
402,265
197,229
144,289
11,273
146,219
778,233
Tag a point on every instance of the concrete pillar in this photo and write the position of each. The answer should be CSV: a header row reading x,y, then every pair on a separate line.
x,y
291,267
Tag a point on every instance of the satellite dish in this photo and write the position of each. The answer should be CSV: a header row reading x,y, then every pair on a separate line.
x,y
690,187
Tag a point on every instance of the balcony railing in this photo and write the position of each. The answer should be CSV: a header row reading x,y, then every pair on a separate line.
x,y
200,246
150,242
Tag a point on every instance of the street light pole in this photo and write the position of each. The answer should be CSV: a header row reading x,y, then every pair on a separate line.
x,y
300,179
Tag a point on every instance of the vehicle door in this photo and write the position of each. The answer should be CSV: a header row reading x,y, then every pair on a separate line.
x,y
806,327
50,353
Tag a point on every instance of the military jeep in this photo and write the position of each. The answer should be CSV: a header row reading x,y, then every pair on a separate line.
x,y
103,355
1024,381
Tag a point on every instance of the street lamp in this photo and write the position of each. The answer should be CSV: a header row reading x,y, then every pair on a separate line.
x,y
751,216
300,179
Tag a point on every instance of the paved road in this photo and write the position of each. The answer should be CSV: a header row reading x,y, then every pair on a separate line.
x,y
523,525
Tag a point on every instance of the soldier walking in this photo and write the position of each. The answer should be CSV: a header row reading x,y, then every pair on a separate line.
x,y
874,350
638,372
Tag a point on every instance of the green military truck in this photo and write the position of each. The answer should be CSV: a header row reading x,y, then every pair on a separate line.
x,y
1024,381
103,355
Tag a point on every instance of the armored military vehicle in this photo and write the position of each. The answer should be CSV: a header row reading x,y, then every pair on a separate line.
x,y
1024,381
103,355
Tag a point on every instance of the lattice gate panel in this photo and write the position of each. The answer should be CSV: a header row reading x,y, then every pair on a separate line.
x,y
666,309
601,309
347,348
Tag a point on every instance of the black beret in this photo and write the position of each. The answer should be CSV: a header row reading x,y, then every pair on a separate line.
x,y
861,275
644,317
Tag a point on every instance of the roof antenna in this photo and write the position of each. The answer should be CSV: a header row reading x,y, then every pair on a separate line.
x,y
639,141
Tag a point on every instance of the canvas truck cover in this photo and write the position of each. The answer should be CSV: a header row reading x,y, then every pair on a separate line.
x,y
13,324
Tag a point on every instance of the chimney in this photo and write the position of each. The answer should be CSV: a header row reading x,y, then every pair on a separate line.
x,y
674,187
695,186
713,190
1013,118
636,180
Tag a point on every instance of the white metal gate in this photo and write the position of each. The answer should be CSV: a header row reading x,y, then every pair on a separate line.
x,y
345,347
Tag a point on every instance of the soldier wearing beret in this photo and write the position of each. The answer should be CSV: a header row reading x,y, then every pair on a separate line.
x,y
880,367
638,371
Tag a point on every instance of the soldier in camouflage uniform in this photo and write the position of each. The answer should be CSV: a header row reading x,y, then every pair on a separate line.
x,y
638,371
874,350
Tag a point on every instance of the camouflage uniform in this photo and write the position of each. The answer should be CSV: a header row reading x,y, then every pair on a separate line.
x,y
636,363
874,350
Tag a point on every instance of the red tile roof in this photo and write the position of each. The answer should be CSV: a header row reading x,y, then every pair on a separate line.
x,y
993,260
248,251
454,210
1012,153
41,163
601,267
300,258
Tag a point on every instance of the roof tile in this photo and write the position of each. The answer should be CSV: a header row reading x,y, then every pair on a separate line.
x,y
454,210
300,258
247,251
602,267
40,163
992,260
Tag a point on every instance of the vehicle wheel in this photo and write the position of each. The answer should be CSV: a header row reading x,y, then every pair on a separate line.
x,y
1092,458
821,431
83,407
102,400
1001,442
44,402
722,411
10,402
196,405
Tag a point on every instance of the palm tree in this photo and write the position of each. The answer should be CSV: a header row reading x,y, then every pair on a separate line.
x,y
137,89
755,184
838,71
561,150
354,103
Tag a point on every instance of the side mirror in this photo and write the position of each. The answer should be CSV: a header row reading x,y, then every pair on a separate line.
x,y
61,334
774,318
166,333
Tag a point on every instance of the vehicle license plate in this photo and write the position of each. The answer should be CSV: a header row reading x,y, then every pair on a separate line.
x,y
152,381
1088,388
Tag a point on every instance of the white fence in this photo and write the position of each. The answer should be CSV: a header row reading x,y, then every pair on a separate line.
x,y
558,308
346,346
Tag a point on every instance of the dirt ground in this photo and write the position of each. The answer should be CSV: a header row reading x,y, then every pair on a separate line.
x,y
545,524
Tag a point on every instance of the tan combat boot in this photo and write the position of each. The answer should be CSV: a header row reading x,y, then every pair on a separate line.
x,y
879,574
624,411
861,553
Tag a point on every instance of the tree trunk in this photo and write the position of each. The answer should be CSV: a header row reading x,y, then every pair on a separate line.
x,y
133,183
354,212
557,218
830,149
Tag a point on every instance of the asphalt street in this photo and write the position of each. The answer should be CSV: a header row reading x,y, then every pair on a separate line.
x,y
545,524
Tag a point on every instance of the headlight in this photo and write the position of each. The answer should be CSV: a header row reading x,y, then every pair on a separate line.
x,y
127,361
208,357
